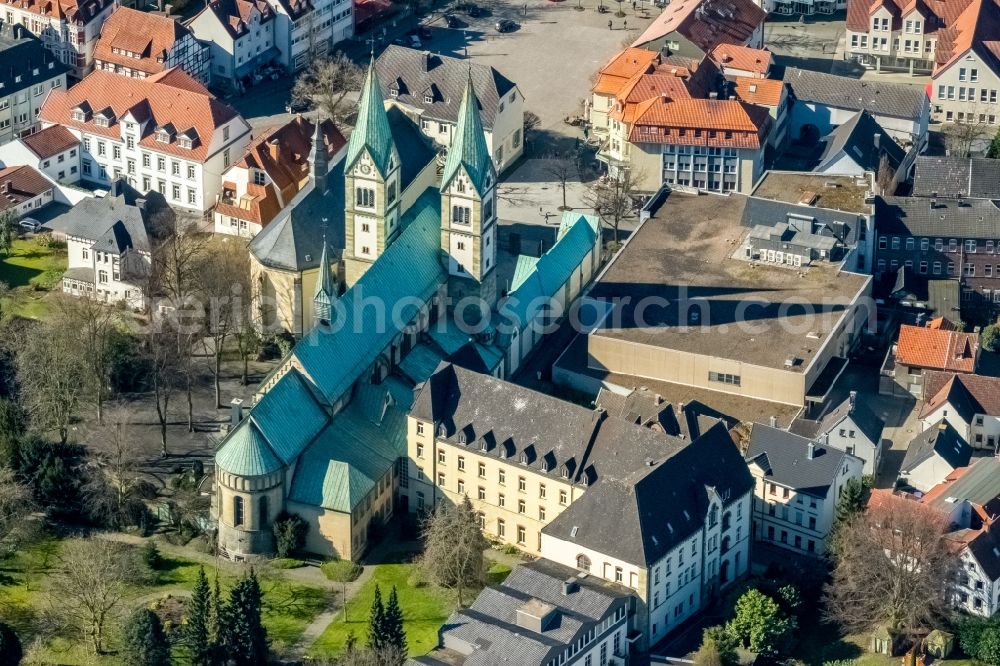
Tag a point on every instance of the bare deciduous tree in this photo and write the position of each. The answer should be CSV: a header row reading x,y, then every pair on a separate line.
x,y
89,585
962,138
225,291
325,84
453,548
96,324
892,566
615,200
563,168
52,374
16,503
885,177
112,492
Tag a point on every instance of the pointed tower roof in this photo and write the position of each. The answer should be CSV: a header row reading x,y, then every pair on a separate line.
x,y
325,293
468,148
372,130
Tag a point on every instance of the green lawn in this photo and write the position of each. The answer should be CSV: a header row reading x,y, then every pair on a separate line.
x,y
425,608
288,607
31,271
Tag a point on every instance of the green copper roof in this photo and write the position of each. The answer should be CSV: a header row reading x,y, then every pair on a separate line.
x,y
348,458
371,132
468,148
247,453
407,273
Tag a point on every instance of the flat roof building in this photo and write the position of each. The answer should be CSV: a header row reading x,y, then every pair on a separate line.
x,y
681,305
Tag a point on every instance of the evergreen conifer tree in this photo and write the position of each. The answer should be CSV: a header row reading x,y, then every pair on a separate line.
x,y
395,636
376,623
242,636
196,633
11,651
144,642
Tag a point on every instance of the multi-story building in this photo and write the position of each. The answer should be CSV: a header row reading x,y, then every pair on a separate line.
x,y
966,75
970,403
23,189
797,482
669,316
824,101
693,28
850,426
67,28
562,484
33,71
55,151
543,613
428,87
897,35
140,44
165,133
920,349
109,245
735,60
240,35
939,238
273,176
304,31
967,501
954,177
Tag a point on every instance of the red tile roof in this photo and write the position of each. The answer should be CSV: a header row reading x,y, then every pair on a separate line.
x,y
50,141
706,23
742,57
937,349
19,184
976,28
282,153
697,122
70,11
758,91
982,390
622,68
169,98
149,35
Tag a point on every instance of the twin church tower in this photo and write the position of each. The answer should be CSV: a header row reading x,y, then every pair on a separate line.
x,y
376,201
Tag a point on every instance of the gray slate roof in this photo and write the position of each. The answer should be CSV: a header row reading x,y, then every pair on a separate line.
x,y
113,222
489,631
986,549
552,434
18,45
882,99
857,139
973,177
295,241
414,73
839,224
864,418
784,457
974,218
942,439
640,518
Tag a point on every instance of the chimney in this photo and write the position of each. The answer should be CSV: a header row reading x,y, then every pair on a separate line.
x,y
272,149
933,203
877,140
713,95
569,587
774,421
943,425
853,396
7,187
811,450
237,411
425,60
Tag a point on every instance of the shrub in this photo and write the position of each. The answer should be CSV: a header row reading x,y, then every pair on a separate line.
x,y
289,534
144,642
991,338
151,555
980,639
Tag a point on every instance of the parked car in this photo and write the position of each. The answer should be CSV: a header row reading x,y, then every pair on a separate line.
x,y
451,20
472,10
30,224
424,33
296,106
415,42
506,25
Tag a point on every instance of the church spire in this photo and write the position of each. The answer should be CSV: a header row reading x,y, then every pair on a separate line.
x,y
468,148
371,132
326,293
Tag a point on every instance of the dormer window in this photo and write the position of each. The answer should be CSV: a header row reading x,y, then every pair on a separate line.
x,y
79,115
564,472
523,458
442,431
484,445
187,139
428,98
394,91
162,135
462,438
